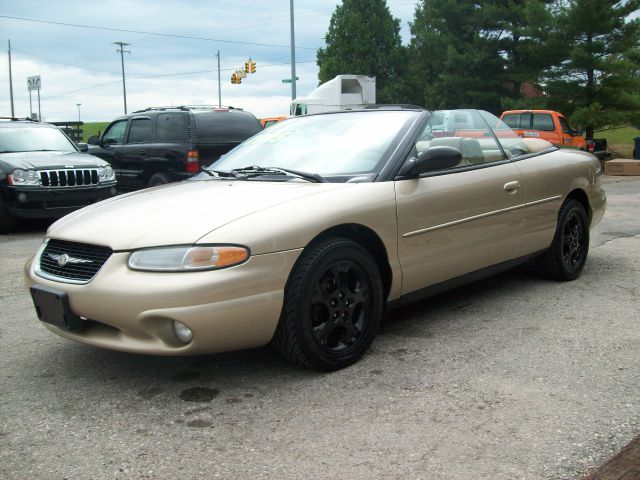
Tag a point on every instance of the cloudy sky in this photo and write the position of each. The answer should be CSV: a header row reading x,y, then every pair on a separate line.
x,y
81,65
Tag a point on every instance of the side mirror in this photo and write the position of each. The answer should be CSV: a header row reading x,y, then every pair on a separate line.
x,y
431,160
437,158
83,147
93,140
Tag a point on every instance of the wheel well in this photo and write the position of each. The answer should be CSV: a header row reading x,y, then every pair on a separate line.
x,y
581,197
370,241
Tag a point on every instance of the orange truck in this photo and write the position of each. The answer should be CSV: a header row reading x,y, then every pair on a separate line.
x,y
553,127
269,121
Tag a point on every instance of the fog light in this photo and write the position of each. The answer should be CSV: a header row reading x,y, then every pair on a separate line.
x,y
113,190
183,332
22,197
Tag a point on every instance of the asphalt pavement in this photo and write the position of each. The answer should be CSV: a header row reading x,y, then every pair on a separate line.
x,y
512,377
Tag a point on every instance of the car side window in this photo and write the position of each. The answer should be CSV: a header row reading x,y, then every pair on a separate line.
x,y
543,121
465,131
140,131
564,125
512,119
115,133
172,127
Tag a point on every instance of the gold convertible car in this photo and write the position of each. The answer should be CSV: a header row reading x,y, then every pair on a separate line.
x,y
306,234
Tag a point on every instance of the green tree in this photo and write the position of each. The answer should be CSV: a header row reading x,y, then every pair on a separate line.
x,y
527,42
364,39
455,58
597,83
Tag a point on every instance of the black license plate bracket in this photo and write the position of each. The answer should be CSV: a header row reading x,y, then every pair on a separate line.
x,y
52,306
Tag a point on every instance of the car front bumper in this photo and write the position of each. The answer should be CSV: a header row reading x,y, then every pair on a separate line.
x,y
133,311
24,202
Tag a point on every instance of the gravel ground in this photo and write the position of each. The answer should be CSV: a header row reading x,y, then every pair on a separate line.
x,y
507,378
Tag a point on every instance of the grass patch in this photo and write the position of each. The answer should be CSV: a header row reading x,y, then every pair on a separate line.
x,y
92,128
620,140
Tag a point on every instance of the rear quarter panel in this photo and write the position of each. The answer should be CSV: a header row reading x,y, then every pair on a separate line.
x,y
549,179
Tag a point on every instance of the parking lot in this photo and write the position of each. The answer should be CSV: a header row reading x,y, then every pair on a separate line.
x,y
510,377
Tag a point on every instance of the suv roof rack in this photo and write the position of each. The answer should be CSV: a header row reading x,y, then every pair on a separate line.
x,y
383,106
187,108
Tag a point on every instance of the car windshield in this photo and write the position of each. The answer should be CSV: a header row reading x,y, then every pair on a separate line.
x,y
33,139
329,145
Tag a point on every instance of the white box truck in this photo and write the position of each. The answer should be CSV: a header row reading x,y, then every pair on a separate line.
x,y
344,92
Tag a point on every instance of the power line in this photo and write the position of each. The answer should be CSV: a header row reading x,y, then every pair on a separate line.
x,y
82,67
161,75
157,34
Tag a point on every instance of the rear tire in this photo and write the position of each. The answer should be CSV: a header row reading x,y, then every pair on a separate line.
x,y
333,305
7,222
159,179
567,255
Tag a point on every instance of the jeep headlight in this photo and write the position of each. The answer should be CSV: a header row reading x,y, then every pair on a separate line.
x,y
188,258
24,177
106,174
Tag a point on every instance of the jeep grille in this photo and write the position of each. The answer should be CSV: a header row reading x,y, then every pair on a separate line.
x,y
68,177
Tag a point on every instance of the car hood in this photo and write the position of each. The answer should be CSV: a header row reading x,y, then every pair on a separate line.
x,y
178,213
49,160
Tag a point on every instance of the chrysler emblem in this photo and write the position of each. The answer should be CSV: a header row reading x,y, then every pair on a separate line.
x,y
63,259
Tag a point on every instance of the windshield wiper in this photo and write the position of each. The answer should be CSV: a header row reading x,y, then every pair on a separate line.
x,y
222,173
256,171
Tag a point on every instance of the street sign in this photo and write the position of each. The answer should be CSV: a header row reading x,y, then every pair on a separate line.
x,y
288,80
33,83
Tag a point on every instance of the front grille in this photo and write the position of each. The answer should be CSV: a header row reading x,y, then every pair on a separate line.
x,y
82,263
69,177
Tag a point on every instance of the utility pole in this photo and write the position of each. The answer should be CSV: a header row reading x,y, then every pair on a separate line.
x,y
219,84
11,83
78,105
122,51
293,54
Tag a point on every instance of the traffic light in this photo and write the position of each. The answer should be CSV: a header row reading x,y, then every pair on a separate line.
x,y
252,66
247,65
235,79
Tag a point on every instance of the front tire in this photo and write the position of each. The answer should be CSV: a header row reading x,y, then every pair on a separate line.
x,y
333,306
567,255
7,222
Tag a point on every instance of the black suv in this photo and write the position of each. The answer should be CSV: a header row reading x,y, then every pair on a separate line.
x,y
44,175
166,144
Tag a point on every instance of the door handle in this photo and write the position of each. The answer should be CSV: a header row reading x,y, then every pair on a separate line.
x,y
512,187
142,152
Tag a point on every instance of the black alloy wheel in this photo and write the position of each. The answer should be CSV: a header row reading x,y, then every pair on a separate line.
x,y
341,306
573,238
332,308
567,255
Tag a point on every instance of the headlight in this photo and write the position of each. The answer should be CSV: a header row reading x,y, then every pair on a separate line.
x,y
105,174
188,258
24,177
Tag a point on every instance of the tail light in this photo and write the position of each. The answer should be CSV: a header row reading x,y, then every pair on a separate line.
x,y
193,161
591,146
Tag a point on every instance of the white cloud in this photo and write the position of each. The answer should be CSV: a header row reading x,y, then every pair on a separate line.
x,y
73,61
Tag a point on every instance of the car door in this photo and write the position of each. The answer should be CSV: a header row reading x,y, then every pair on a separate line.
x,y
135,151
462,219
111,142
543,123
